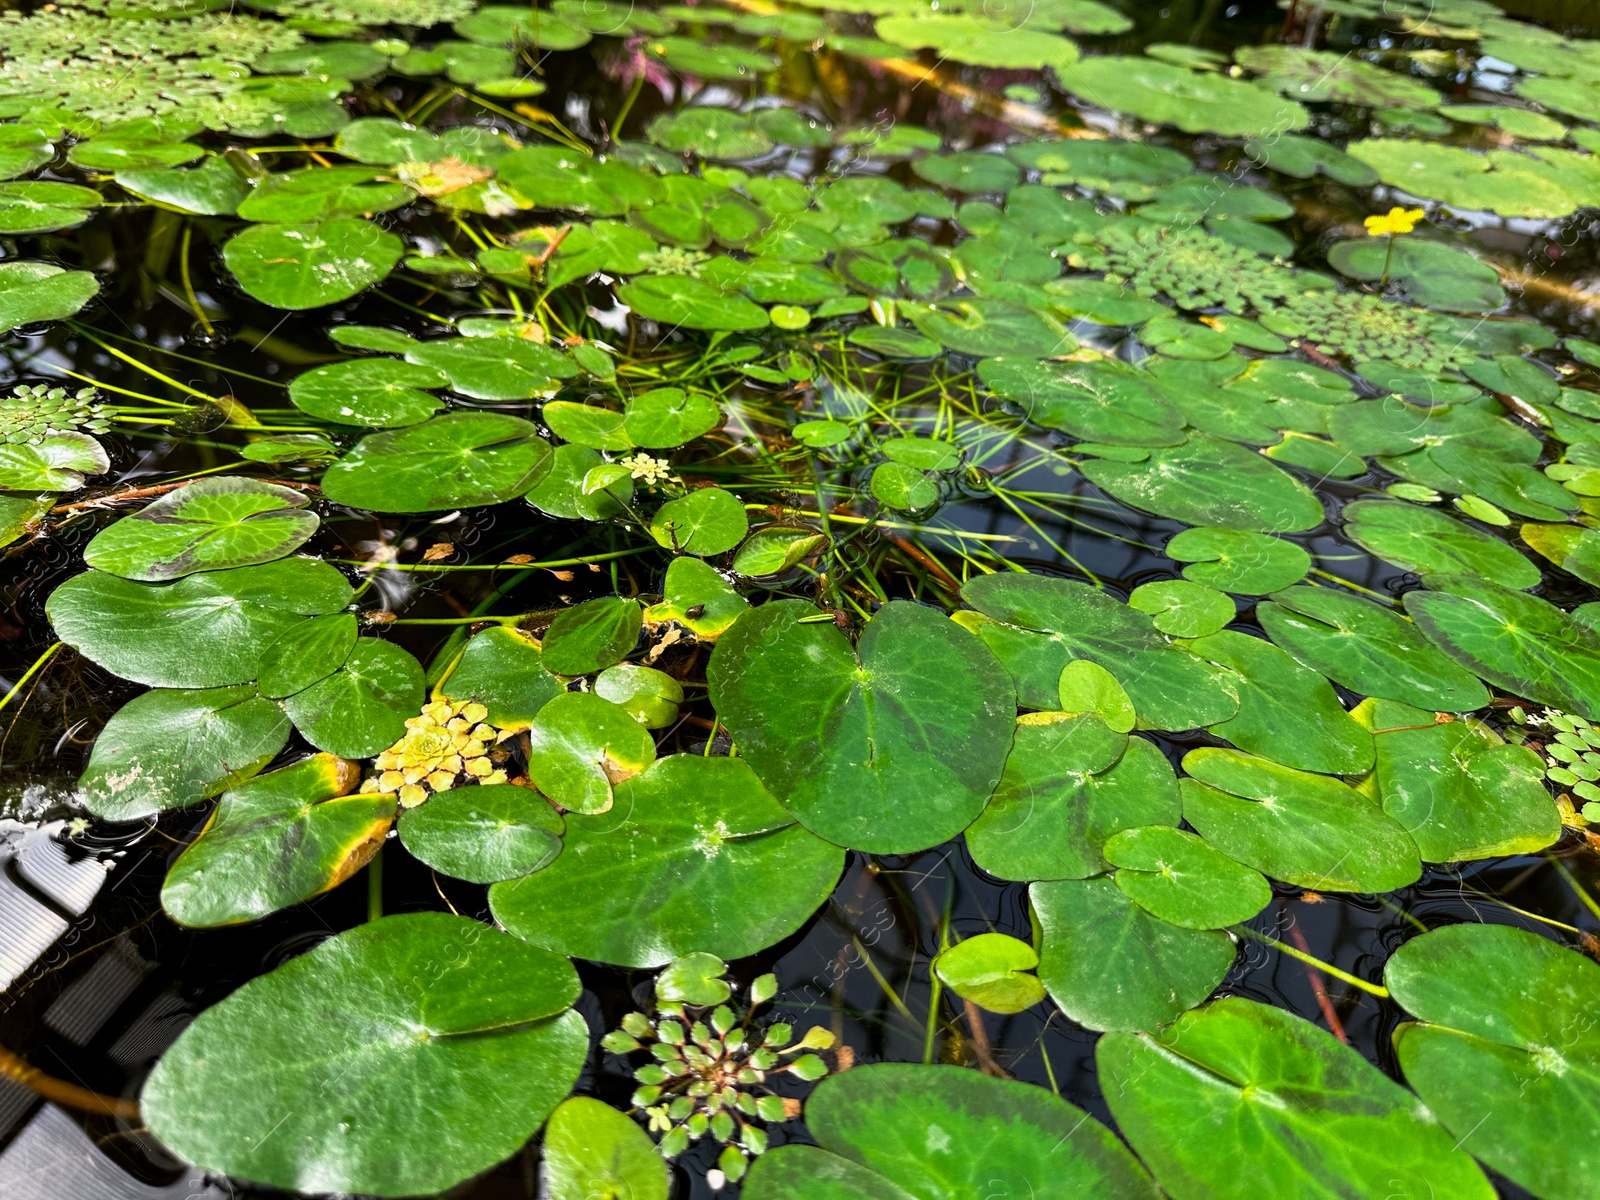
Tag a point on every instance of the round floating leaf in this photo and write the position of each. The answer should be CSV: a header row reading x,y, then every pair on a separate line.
x,y
307,266
592,1152
203,630
561,492
985,327
502,670
455,461
1571,548
1286,1108
890,1131
495,368
1110,964
591,636
696,978
368,391
360,709
1232,560
898,486
483,833
707,521
1428,542
580,745
696,855
36,291
651,697
1179,878
57,462
699,599
889,748
1194,101
1323,76
1305,829
1087,687
1065,790
1305,157
1425,273
968,172
1170,689
1183,609
991,970
1368,649
679,301
1460,791
206,525
304,653
320,193
276,841
1207,481
170,749
41,206
775,549
893,343
1512,640
665,417
979,39
1097,401
1506,1014
400,1025
1286,712
213,189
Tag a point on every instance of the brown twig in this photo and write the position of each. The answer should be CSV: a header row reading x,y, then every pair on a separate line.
x,y
980,1043
58,1091
1335,1026
157,489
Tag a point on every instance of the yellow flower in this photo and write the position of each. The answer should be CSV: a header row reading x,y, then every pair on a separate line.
x,y
442,177
1397,220
443,742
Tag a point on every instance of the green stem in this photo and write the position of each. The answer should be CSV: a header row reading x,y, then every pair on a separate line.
x,y
872,969
188,283
1387,254
38,665
627,106
1578,889
1326,968
937,990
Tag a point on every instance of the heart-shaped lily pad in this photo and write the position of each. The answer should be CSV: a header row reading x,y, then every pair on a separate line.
x,y
1233,560
455,461
36,291
1427,541
361,708
501,669
992,970
304,653
707,521
592,1151
1179,878
58,462
591,636
580,745
307,266
380,392
484,833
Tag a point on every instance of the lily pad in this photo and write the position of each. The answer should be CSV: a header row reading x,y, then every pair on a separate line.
x,y
276,841
591,636
1110,964
580,745
1323,76
707,521
1503,1012
890,747
307,266
1182,609
348,1020
495,368
207,525
699,599
992,971
1285,1107
202,630
321,193
501,669
1194,101
36,291
455,461
1308,830
1425,273
58,462
483,833
173,748
1233,560
360,709
679,301
380,392
594,1152
695,856
1180,878
1428,541
649,696
40,206
304,653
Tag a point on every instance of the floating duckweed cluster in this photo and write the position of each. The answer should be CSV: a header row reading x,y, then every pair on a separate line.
x,y
443,744
1367,328
1571,749
1193,268
32,412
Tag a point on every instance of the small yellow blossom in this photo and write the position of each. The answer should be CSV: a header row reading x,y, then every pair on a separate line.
x,y
1397,220
442,177
442,743
651,471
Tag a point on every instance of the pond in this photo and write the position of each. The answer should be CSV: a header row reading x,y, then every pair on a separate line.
x,y
878,599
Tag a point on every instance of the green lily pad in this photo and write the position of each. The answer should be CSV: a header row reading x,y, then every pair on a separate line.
x,y
1183,609
1305,829
1207,481
1305,157
985,327
483,833
1503,1012
381,392
360,709
40,206
36,291
699,599
561,494
991,970
1170,688
1130,170
276,841
1428,274
1068,786
1285,1107
591,636
890,747
58,462
588,425
679,301
1179,878
173,748
1194,101
304,653
1543,182
906,489
1571,548
207,525
662,418
1233,560
1368,649
202,630
307,266
580,745
649,696
893,342
348,1021
1324,76
1087,687
501,669
697,978
1111,964
979,39
320,193
696,856
709,520
1512,640
776,549
1099,402
594,1152
1460,791
495,368
455,461
1428,541
892,1131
